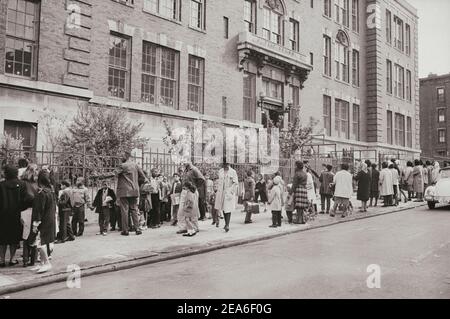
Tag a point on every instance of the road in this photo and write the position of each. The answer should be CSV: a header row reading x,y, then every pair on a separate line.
x,y
411,248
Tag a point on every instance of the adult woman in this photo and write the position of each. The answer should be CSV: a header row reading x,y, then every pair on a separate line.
x,y
30,178
227,192
418,181
310,187
261,191
249,195
374,185
435,173
409,179
364,181
386,185
44,209
300,192
12,196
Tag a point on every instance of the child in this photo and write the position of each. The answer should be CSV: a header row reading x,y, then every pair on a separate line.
x,y
276,201
145,204
215,213
289,204
190,209
175,194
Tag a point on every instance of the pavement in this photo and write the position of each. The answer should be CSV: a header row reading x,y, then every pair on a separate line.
x,y
402,255
101,254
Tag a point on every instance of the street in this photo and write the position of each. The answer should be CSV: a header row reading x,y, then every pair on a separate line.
x,y
412,249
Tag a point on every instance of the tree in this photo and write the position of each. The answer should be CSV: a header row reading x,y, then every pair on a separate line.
x,y
53,127
296,136
102,130
11,149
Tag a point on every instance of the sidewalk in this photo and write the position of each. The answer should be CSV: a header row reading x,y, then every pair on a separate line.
x,y
99,254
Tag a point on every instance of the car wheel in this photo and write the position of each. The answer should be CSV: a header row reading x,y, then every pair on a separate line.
x,y
431,205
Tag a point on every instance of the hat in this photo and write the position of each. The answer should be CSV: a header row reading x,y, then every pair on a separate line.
x,y
277,180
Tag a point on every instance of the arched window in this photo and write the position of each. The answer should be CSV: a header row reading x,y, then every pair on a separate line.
x,y
272,21
342,57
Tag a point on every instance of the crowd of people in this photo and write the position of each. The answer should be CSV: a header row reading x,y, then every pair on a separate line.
x,y
32,208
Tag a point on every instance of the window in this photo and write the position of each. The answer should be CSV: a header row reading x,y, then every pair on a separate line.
x,y
160,68
249,97
327,114
399,81
249,16
119,66
408,39
225,27
342,118
326,55
442,153
196,72
197,14
22,38
441,115
273,89
441,94
169,9
342,57
389,127
25,130
355,124
442,135
272,18
355,15
294,35
295,99
408,86
408,132
399,129
389,76
341,9
398,35
355,68
327,8
388,27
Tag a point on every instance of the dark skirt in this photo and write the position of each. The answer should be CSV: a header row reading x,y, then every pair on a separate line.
x,y
301,198
261,195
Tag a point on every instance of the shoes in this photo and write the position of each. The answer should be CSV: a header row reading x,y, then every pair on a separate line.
x,y
174,223
273,226
105,234
332,215
189,234
44,268
213,223
13,263
217,225
113,228
138,232
182,232
100,233
125,233
227,229
70,239
248,222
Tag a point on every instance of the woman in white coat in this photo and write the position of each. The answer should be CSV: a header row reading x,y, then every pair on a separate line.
x,y
386,185
227,190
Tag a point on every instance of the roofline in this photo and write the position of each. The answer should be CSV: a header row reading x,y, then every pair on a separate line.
x,y
435,77
405,4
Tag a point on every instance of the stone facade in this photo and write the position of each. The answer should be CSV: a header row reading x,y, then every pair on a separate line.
x,y
73,62
434,115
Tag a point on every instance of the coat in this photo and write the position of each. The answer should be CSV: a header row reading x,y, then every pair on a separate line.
x,y
364,182
226,196
374,183
44,210
129,176
190,205
98,200
12,199
325,179
409,177
310,187
193,175
249,188
343,184
276,198
386,182
418,179
261,191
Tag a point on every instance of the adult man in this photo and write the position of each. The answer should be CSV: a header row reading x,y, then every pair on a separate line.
x,y
129,174
343,181
79,199
104,204
325,179
155,197
194,175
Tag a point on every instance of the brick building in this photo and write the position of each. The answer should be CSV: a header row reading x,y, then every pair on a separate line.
x,y
434,112
351,64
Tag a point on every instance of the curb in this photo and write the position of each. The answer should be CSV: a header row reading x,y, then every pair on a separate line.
x,y
147,260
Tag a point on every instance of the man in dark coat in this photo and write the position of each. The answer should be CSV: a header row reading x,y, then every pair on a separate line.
x,y
326,193
12,199
104,207
193,175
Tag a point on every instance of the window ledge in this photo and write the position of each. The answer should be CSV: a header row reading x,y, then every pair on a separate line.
x,y
327,76
197,29
162,17
326,17
129,5
342,82
356,86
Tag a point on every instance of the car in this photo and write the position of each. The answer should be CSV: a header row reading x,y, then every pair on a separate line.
x,y
440,192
